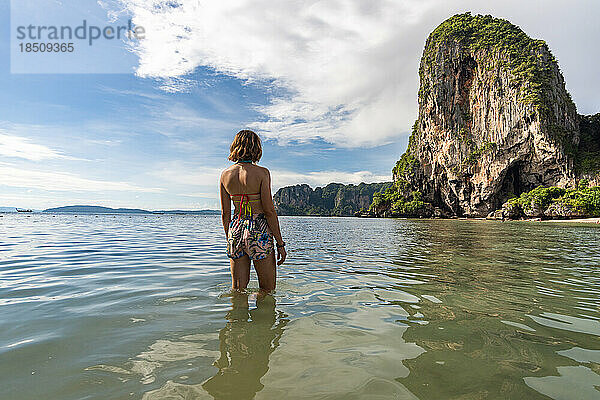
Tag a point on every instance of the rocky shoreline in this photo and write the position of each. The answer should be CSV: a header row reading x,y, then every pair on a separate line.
x,y
591,220
578,220
541,203
549,203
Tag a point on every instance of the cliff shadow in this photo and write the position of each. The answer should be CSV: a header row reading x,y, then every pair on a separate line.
x,y
513,184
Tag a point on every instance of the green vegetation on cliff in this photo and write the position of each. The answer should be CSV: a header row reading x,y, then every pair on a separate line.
x,y
407,165
582,201
399,199
395,201
504,41
540,196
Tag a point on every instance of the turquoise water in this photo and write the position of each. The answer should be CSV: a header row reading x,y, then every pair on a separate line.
x,y
130,307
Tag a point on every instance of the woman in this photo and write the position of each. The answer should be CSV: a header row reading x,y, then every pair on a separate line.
x,y
250,233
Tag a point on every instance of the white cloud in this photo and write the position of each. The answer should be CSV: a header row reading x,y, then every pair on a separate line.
x,y
341,63
62,181
105,142
177,85
136,93
17,146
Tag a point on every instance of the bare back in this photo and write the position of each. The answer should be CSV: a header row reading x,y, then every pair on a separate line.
x,y
246,179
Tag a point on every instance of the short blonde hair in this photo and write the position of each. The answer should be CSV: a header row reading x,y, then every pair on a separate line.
x,y
246,146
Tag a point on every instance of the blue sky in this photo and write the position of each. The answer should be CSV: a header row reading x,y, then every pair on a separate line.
x,y
331,88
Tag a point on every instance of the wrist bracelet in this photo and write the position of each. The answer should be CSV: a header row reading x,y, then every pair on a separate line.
x,y
280,245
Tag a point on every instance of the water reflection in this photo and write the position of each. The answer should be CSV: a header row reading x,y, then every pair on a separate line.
x,y
475,354
246,342
509,318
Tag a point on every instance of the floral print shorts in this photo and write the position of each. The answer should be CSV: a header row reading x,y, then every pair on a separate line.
x,y
249,235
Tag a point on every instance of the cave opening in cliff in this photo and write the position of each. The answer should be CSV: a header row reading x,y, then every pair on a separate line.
x,y
513,184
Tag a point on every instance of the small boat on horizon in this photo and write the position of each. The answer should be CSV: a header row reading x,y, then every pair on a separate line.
x,y
24,210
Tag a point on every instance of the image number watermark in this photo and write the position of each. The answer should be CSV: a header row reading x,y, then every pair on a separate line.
x,y
55,47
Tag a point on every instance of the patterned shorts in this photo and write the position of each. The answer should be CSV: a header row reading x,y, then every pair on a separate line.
x,y
249,235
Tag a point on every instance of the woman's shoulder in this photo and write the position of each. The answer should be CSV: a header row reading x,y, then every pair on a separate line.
x,y
262,169
227,173
263,172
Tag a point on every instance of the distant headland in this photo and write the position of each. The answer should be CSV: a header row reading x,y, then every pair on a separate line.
x,y
335,199
85,209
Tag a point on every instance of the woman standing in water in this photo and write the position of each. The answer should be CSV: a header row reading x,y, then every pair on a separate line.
x,y
254,224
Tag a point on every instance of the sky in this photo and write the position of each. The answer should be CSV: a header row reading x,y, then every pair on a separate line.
x,y
330,86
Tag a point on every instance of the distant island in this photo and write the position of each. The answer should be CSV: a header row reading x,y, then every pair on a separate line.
x,y
96,210
79,209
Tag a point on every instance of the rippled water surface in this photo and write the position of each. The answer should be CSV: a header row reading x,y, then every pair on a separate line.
x,y
130,307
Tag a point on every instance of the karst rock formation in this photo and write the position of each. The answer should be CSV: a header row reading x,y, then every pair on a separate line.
x,y
495,118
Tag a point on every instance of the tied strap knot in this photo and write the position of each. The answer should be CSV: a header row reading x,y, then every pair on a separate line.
x,y
245,208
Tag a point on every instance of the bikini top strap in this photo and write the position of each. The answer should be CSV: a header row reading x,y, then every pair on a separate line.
x,y
245,194
245,207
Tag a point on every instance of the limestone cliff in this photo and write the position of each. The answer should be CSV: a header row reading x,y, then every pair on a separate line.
x,y
495,119
334,199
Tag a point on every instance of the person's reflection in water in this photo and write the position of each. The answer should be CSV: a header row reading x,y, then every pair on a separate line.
x,y
246,342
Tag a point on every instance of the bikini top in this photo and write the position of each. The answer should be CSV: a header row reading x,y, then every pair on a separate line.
x,y
245,201
245,208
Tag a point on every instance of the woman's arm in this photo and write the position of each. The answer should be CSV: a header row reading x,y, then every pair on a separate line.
x,y
225,207
268,207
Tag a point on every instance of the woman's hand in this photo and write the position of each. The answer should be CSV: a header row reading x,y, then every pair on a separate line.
x,y
281,255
